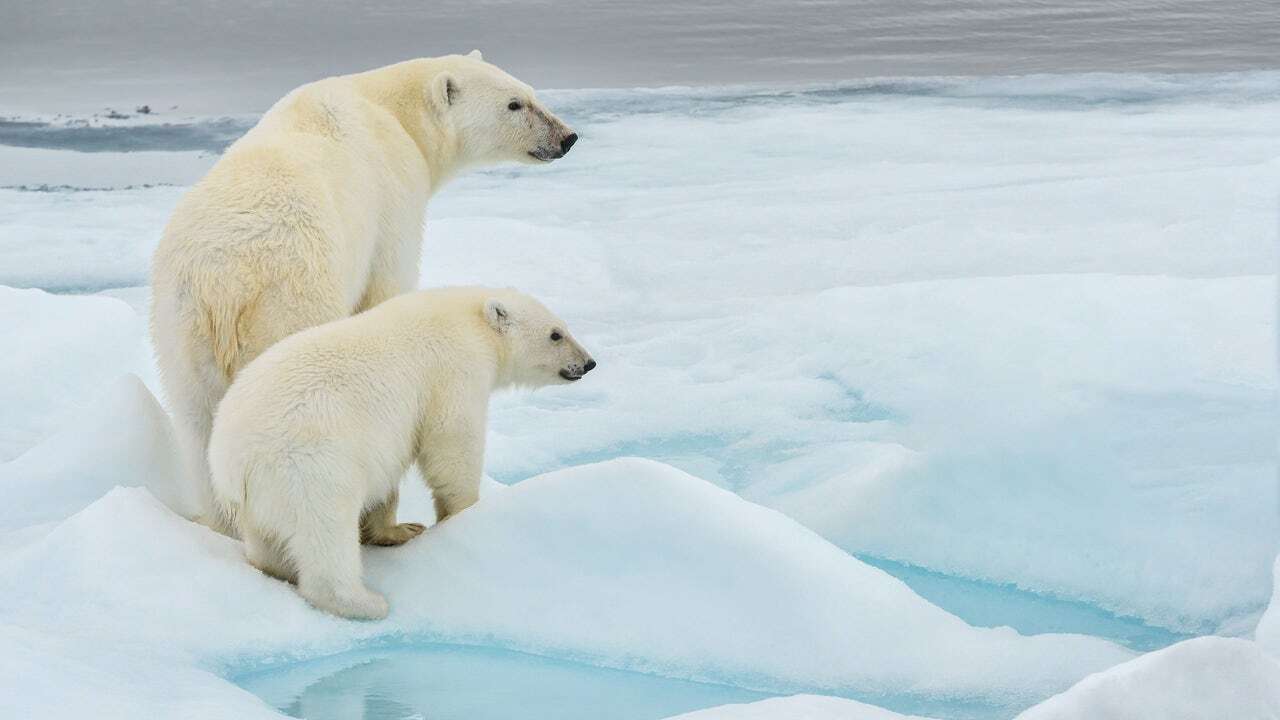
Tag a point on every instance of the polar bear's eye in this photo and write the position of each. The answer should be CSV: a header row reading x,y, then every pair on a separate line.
x,y
513,105
555,336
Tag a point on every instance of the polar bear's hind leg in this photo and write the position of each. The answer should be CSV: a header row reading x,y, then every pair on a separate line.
x,y
336,590
266,554
378,524
326,552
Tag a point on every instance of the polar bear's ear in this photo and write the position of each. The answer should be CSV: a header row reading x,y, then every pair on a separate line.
x,y
496,313
443,90
475,54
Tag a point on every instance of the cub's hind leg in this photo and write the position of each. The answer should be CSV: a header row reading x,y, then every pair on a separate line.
x,y
325,549
266,554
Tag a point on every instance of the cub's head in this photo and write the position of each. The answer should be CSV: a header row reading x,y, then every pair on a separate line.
x,y
539,347
496,116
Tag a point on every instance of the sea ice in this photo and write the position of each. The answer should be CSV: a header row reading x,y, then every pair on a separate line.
x,y
627,564
121,439
1050,360
943,340
1207,677
797,707
59,353
1268,633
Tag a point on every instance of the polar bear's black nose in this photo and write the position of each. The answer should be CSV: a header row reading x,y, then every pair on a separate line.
x,y
568,142
591,364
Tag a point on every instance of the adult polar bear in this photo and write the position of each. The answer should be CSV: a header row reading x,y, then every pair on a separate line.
x,y
316,214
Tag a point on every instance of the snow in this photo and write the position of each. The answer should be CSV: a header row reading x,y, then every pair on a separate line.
x,y
1140,415
1205,677
47,676
628,564
1064,321
94,453
796,707
1017,331
81,241
61,170
60,352
1268,633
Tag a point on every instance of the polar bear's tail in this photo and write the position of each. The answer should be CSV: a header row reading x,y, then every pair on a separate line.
x,y
222,328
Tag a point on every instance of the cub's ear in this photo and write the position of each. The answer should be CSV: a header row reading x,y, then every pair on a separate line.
x,y
443,90
496,313
476,55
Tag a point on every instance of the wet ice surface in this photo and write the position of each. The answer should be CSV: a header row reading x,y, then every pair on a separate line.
x,y
986,604
1008,339
450,682
446,682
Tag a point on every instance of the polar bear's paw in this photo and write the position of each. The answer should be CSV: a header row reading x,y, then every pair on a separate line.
x,y
393,535
357,604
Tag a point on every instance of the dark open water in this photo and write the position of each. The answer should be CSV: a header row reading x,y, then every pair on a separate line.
x,y
237,56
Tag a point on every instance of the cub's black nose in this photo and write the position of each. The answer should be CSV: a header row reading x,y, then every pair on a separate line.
x,y
591,365
568,142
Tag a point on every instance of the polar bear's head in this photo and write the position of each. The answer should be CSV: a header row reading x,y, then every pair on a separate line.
x,y
496,117
539,347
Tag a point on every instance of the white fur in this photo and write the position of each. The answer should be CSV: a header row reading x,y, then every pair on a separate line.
x,y
313,436
316,213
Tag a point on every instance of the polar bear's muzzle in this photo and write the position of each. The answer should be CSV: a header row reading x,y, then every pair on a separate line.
x,y
547,154
576,372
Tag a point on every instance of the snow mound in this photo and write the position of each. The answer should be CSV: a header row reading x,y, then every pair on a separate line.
x,y
55,677
1268,633
628,564
60,351
1208,677
797,707
123,439
662,572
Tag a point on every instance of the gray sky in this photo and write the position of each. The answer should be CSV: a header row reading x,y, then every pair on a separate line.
x,y
212,56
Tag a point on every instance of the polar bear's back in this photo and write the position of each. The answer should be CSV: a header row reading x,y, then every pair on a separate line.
x,y
305,400
349,392
307,188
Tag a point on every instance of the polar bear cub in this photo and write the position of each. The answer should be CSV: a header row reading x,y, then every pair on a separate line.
x,y
312,438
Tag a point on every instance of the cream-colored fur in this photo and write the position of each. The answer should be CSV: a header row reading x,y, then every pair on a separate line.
x,y
316,213
312,438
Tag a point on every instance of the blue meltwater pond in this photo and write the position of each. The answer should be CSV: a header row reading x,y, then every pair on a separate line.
x,y
432,681
452,682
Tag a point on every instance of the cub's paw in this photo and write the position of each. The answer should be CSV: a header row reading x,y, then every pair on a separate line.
x,y
394,535
360,604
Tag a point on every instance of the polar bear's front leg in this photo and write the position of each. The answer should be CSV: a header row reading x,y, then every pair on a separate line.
x,y
378,525
451,465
